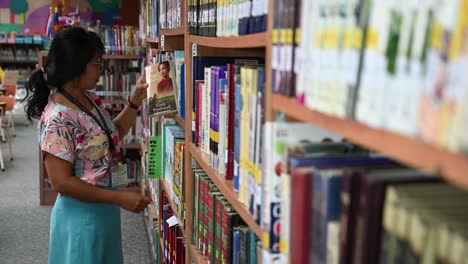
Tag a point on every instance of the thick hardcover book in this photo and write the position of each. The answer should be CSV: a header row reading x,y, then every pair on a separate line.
x,y
373,184
236,246
278,135
230,121
301,198
244,244
212,224
230,219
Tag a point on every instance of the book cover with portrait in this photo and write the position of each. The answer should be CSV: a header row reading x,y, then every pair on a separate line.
x,y
160,93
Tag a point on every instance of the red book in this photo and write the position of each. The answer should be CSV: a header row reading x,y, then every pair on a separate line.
x,y
230,122
210,228
301,204
202,215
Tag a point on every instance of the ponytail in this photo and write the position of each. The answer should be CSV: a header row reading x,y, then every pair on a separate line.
x,y
37,85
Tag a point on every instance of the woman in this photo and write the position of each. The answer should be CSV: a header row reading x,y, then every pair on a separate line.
x,y
80,146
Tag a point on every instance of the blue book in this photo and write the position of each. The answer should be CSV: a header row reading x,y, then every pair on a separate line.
x,y
236,246
238,104
182,92
340,160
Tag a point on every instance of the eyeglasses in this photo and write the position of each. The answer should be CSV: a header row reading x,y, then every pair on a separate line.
x,y
100,63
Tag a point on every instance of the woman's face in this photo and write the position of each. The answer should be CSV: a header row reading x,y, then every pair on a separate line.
x,y
164,70
90,77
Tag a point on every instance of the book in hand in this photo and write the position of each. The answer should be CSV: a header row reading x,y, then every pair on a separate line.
x,y
160,93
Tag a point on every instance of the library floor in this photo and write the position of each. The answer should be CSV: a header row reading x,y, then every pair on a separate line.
x,y
24,225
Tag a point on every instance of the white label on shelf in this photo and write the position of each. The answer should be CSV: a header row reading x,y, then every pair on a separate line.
x,y
172,221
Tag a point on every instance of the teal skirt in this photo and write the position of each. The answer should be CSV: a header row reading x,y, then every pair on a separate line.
x,y
83,232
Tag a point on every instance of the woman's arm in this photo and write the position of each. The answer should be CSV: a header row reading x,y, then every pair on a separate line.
x,y
125,120
60,173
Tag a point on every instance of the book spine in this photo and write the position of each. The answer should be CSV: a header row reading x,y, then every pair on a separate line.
x,y
301,202
230,122
218,244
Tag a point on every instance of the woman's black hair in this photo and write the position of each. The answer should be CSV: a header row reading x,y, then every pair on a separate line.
x,y
165,63
70,51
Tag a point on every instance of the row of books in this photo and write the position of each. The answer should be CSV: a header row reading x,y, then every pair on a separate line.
x,y
218,232
173,147
173,237
118,39
148,20
170,14
23,72
149,188
227,114
134,173
19,54
361,208
117,80
166,84
216,18
396,66
16,38
165,152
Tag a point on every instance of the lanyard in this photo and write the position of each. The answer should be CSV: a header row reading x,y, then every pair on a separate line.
x,y
102,123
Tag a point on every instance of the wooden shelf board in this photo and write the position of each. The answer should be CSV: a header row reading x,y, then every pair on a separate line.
x,y
256,40
405,149
130,145
167,190
225,186
150,240
17,62
172,32
152,39
197,256
161,243
120,57
179,120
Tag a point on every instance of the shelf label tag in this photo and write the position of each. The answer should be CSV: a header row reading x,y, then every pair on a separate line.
x,y
194,49
172,221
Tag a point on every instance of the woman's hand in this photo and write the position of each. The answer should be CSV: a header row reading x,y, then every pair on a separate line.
x,y
139,92
132,201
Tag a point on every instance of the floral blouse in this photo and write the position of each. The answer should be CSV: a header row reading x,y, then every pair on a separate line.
x,y
74,136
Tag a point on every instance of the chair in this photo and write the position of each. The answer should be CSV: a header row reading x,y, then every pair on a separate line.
x,y
7,113
2,129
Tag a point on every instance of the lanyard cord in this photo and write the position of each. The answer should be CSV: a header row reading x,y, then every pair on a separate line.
x,y
102,123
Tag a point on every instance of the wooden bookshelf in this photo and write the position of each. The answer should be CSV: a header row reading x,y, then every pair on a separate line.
x,y
150,241
152,39
120,57
197,256
179,120
18,62
167,189
161,243
130,145
257,40
225,186
172,32
408,150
